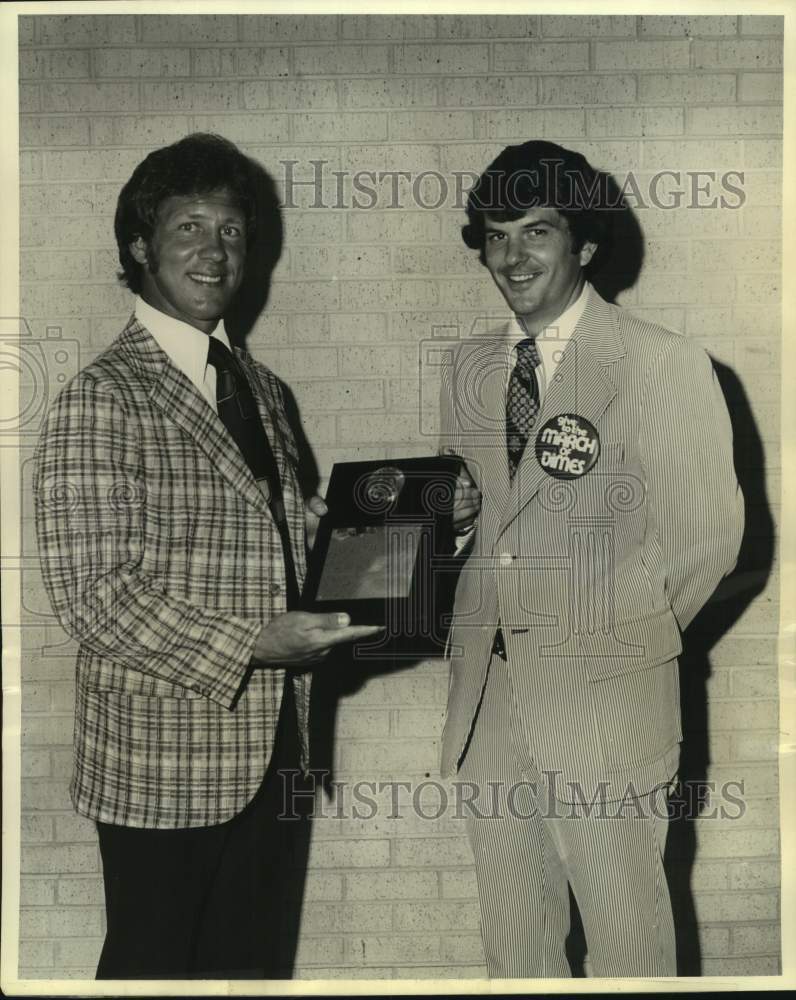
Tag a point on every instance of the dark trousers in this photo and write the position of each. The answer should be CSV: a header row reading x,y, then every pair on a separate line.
x,y
217,902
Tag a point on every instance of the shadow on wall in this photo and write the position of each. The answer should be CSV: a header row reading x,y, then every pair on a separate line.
x,y
341,677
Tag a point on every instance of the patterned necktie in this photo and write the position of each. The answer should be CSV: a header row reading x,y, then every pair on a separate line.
x,y
238,411
522,402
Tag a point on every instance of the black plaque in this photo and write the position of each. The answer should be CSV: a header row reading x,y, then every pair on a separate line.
x,y
385,552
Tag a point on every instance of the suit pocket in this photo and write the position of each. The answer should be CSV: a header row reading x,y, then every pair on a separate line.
x,y
632,646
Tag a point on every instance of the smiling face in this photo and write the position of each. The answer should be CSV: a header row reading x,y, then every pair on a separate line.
x,y
193,264
532,262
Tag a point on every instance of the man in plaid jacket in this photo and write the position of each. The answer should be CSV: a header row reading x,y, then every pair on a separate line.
x,y
163,558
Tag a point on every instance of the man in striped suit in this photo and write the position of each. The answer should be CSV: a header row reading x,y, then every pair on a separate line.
x,y
599,449
171,535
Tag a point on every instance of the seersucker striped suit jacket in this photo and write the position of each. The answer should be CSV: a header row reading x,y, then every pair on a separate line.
x,y
161,559
594,578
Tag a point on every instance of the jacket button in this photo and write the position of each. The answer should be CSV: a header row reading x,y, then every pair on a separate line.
x,y
506,559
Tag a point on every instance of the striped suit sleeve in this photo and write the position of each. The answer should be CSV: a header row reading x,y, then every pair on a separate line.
x,y
686,440
91,517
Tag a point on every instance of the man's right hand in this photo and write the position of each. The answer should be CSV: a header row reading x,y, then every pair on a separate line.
x,y
301,637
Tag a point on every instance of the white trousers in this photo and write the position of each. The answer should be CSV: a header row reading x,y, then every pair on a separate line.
x,y
529,847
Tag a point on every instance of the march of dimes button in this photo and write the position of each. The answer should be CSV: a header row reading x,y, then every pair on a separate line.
x,y
567,446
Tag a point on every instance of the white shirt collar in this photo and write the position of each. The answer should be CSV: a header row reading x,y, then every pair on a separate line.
x,y
560,330
184,344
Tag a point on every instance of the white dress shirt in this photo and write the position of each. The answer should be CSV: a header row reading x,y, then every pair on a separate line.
x,y
551,342
185,345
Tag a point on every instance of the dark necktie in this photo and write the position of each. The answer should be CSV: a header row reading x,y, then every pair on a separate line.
x,y
522,402
238,411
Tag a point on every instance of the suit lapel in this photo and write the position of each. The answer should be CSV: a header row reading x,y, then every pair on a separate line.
x,y
185,406
581,386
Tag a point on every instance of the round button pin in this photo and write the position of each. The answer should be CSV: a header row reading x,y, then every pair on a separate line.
x,y
567,446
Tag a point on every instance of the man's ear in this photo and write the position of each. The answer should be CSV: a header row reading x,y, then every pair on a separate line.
x,y
138,249
587,251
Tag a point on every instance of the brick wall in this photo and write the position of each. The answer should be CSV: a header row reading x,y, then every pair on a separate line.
x,y
356,293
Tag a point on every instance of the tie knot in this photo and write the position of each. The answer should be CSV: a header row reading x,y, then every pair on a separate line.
x,y
528,356
218,354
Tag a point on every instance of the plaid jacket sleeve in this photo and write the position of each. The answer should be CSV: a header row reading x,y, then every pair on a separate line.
x,y
91,515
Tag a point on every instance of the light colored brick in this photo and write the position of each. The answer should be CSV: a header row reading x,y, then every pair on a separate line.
x,y
746,875
413,158
762,24
688,26
686,88
57,64
431,260
541,57
740,120
52,265
262,62
346,60
341,261
432,853
587,89
323,886
711,907
142,62
759,287
38,731
362,327
389,295
756,939
510,124
150,130
398,756
462,948
734,255
352,126
765,154
200,96
755,746
214,62
431,124
393,227
641,55
690,154
371,949
762,322
760,87
378,428
87,97
390,885
744,53
81,892
302,94
441,971
748,966
35,697
37,891
79,952
57,859
702,875
101,164
75,829
315,295
387,27
36,829
458,27
398,92
608,122
435,59
299,28
76,922
759,683
29,98
36,764
585,26
489,91
338,395
437,916
26,30
89,29
238,128
361,723
763,187
186,29
714,941
346,854
356,917
418,722
458,884
75,300
36,954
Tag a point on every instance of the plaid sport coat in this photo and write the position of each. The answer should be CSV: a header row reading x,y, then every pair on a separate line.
x,y
161,558
594,578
